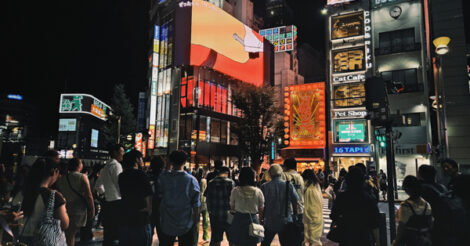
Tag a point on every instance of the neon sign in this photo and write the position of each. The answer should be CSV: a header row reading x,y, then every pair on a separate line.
x,y
352,149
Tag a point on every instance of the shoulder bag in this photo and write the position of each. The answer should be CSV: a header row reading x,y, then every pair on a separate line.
x,y
49,231
255,230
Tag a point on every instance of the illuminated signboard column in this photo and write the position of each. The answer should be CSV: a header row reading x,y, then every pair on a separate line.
x,y
351,62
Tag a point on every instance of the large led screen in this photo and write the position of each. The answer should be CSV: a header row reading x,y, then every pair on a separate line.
x,y
332,2
305,115
349,95
223,43
349,25
348,60
351,131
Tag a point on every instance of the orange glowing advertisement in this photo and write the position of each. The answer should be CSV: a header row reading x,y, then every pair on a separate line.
x,y
138,142
223,43
151,144
304,115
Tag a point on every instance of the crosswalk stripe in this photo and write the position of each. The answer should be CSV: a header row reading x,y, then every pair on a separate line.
x,y
326,217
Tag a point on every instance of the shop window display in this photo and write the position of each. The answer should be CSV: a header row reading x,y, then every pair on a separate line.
x,y
349,95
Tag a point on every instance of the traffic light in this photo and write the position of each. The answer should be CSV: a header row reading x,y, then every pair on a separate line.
x,y
376,101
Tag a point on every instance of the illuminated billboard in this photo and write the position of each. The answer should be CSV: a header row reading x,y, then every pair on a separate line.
x,y
94,138
304,115
221,42
85,104
351,131
283,38
348,60
333,2
349,95
67,125
345,26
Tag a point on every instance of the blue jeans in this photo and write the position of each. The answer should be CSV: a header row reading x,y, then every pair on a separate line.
x,y
135,235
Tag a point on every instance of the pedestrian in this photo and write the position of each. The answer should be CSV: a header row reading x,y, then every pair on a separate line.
x,y
369,184
217,165
313,214
107,184
217,196
414,217
355,213
136,202
246,201
451,170
52,155
290,174
321,177
203,209
383,183
157,166
37,197
278,195
180,201
76,190
340,184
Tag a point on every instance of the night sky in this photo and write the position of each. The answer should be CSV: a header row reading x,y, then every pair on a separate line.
x,y
88,46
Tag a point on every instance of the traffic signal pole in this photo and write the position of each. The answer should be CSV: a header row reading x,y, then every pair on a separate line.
x,y
390,179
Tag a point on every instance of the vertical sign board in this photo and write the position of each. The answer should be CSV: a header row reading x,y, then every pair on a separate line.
x,y
153,87
138,142
304,115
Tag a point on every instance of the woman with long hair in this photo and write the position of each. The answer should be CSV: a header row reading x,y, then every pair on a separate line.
x,y
76,189
37,193
313,213
247,201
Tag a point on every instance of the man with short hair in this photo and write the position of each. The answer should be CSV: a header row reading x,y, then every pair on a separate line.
x,y
180,202
431,192
108,184
280,206
451,169
136,204
217,165
290,174
218,204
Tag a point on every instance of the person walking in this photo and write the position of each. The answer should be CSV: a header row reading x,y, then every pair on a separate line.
x,y
107,183
414,217
451,170
246,201
76,189
217,165
356,213
383,183
180,201
157,166
203,209
37,197
277,214
136,203
313,214
290,174
217,196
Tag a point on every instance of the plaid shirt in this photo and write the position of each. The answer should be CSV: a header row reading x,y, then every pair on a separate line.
x,y
218,197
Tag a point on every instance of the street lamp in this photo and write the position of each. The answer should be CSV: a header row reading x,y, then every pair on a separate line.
x,y
324,11
442,48
441,44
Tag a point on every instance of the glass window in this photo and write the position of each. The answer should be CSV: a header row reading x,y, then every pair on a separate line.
x,y
223,134
207,94
215,131
413,119
202,128
401,81
397,41
349,95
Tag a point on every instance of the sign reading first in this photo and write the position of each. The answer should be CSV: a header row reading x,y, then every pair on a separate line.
x,y
83,104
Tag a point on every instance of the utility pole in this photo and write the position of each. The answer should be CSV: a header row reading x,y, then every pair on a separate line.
x,y
390,179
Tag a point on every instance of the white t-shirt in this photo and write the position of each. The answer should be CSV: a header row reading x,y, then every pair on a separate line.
x,y
247,199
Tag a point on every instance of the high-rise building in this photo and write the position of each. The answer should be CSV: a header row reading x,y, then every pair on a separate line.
x,y
194,68
393,39
278,13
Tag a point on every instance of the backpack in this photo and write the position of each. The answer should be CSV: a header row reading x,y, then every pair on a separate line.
x,y
418,228
452,214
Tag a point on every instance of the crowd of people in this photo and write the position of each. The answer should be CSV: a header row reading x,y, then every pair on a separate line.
x,y
55,201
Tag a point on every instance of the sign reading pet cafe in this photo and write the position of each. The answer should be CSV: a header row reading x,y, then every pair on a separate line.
x,y
83,104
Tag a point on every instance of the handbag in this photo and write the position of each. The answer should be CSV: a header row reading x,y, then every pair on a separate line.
x,y
229,217
49,231
335,234
255,230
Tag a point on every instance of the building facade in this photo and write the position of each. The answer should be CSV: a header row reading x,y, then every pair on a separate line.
x,y
194,68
